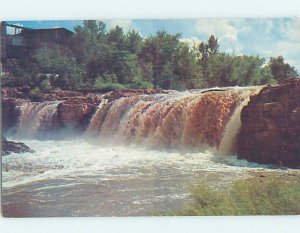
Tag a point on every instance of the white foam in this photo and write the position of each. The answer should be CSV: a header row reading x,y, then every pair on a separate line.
x,y
69,159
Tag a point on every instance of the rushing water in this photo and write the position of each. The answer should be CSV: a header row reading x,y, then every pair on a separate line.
x,y
37,118
178,120
77,178
139,156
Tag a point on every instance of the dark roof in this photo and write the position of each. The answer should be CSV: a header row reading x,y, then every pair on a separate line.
x,y
48,29
39,29
15,26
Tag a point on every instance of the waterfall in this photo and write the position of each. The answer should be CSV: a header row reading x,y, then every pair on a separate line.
x,y
193,120
232,129
37,118
189,120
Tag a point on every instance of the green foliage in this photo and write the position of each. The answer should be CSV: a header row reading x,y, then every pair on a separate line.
x,y
57,61
281,70
268,196
108,83
263,76
12,80
35,94
110,59
45,84
160,50
213,44
134,42
140,84
186,68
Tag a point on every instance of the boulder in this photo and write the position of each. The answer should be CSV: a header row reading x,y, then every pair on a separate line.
x,y
270,130
9,147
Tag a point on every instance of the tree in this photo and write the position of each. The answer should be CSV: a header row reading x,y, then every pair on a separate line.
x,y
263,76
65,73
187,69
86,40
281,70
160,50
106,60
244,69
116,38
213,44
133,41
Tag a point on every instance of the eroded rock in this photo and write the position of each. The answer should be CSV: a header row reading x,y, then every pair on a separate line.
x,y
271,125
9,147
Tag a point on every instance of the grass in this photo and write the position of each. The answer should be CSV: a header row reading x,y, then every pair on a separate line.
x,y
254,196
108,86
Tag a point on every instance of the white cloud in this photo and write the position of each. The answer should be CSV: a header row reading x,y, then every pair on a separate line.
x,y
264,37
192,41
224,30
218,27
291,29
126,24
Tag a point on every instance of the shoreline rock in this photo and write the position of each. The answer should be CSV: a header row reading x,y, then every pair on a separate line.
x,y
270,130
9,147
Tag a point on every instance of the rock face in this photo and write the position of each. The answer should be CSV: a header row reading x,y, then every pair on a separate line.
x,y
271,126
9,112
15,92
74,111
9,147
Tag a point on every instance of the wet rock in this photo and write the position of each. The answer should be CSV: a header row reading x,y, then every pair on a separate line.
x,y
58,94
76,108
9,147
76,112
10,113
113,95
270,130
15,92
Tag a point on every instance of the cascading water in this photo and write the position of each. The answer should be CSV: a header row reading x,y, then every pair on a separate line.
x,y
73,177
189,120
195,120
37,118
227,144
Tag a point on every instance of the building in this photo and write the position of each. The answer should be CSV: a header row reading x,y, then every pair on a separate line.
x,y
3,54
24,41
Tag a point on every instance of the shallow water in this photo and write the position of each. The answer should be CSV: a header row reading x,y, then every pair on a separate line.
x,y
78,178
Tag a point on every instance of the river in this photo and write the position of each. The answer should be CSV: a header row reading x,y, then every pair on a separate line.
x,y
74,177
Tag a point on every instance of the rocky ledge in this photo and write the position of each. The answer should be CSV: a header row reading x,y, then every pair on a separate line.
x,y
270,130
9,147
74,111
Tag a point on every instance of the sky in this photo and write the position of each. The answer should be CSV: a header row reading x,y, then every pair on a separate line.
x,y
266,37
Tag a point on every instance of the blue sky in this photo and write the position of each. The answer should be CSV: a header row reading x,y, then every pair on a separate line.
x,y
265,37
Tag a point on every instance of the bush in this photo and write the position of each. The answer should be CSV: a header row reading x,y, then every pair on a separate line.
x,y
268,196
107,86
35,94
15,81
140,85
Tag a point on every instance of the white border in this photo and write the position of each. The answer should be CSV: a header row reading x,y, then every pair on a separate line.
x,y
99,9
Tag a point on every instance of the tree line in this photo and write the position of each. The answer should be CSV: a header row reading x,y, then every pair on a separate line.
x,y
99,59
